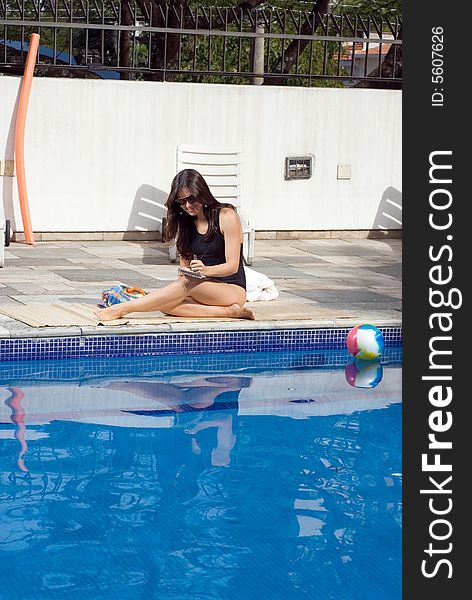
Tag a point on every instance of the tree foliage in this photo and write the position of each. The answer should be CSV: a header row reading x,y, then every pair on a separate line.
x,y
203,57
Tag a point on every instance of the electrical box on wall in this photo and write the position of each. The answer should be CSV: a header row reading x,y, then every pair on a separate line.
x,y
344,171
298,167
7,168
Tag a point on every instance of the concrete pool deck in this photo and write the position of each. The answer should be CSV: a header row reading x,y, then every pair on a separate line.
x,y
322,283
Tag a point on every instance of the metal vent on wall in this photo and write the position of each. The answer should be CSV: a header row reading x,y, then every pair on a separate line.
x,y
298,167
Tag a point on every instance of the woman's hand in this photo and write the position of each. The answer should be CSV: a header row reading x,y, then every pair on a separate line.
x,y
198,267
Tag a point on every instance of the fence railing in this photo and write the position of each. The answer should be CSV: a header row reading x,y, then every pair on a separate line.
x,y
144,40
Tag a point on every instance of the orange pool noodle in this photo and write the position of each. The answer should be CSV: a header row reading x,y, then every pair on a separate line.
x,y
20,136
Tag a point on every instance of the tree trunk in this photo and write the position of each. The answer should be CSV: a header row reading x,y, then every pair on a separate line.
x,y
391,67
155,12
296,47
164,49
125,37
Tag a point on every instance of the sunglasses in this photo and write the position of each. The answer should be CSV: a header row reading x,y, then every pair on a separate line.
x,y
189,199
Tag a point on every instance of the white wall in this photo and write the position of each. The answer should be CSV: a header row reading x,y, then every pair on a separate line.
x,y
100,155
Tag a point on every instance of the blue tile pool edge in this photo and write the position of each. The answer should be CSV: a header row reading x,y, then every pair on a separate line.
x,y
161,344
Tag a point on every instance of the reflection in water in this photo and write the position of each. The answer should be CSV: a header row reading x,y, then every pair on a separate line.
x,y
195,396
364,373
17,417
236,496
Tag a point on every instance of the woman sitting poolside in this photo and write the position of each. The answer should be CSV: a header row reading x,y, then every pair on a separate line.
x,y
209,240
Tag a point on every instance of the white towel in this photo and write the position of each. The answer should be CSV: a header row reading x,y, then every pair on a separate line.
x,y
259,287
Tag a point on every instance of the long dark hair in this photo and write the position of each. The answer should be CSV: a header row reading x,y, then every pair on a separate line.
x,y
180,224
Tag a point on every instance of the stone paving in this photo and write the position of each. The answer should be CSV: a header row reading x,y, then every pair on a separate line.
x,y
357,280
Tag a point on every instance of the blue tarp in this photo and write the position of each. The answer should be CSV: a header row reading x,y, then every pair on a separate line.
x,y
60,57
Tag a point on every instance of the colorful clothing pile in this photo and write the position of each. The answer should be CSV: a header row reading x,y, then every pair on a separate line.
x,y
120,293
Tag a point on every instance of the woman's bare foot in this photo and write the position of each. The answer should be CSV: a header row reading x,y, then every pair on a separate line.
x,y
110,313
242,313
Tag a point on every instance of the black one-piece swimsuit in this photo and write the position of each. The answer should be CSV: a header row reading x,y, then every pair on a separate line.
x,y
212,252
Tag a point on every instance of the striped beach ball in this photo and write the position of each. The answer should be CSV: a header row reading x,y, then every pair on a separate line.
x,y
364,373
365,342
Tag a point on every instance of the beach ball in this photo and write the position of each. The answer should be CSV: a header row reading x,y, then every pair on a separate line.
x,y
365,342
364,373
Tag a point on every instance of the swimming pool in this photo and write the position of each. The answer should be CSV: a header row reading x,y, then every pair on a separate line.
x,y
243,476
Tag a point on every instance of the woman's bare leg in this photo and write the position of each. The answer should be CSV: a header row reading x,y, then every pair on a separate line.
x,y
189,308
187,298
215,294
213,299
173,293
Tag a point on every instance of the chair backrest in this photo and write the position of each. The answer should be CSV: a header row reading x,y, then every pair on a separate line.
x,y
220,167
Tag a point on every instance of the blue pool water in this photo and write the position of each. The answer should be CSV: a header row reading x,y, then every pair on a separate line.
x,y
203,478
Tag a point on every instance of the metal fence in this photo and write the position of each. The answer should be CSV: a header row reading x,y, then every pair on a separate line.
x,y
147,41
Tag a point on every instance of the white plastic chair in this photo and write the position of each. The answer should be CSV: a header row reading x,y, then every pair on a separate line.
x,y
221,168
